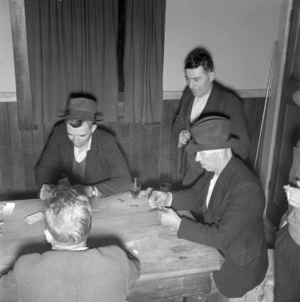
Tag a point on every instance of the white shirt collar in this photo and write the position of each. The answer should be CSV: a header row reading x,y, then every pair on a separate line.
x,y
80,156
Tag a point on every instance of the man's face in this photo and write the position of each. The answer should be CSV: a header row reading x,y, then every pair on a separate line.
x,y
81,135
199,81
208,159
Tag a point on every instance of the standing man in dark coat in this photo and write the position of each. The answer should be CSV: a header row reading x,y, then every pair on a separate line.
x,y
80,154
232,202
203,97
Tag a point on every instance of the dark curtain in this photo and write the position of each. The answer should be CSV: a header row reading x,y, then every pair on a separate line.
x,y
72,48
143,60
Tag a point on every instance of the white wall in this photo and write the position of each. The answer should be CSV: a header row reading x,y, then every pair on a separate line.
x,y
240,35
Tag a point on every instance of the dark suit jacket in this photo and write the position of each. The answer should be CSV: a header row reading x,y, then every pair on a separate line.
x,y
95,275
233,223
106,167
220,102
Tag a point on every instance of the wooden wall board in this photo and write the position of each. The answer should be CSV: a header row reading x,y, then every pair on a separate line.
x,y
4,126
150,149
6,169
165,137
18,174
154,149
134,164
144,151
173,149
29,164
123,139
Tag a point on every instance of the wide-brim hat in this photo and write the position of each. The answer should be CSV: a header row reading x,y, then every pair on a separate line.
x,y
82,108
210,133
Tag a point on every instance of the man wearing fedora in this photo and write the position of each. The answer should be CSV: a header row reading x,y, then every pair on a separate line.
x,y
80,154
231,201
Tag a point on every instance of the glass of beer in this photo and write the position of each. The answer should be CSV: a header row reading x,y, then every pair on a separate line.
x,y
135,187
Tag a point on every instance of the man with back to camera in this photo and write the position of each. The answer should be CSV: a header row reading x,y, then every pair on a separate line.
x,y
70,271
231,201
203,97
82,154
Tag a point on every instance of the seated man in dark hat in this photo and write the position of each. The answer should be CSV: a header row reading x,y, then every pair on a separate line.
x,y
231,201
70,271
80,154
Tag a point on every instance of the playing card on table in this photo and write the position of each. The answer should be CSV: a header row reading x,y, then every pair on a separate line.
x,y
7,208
34,217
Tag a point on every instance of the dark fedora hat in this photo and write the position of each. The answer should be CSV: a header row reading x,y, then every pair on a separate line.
x,y
82,108
210,133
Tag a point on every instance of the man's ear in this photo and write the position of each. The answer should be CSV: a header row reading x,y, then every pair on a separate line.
x,y
94,127
211,76
48,235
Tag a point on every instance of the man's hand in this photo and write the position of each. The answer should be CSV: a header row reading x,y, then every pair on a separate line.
x,y
169,218
184,137
293,195
160,200
45,191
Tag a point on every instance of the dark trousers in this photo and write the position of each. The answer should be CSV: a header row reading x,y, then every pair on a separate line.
x,y
287,267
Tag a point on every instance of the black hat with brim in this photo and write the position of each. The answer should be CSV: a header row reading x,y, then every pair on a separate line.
x,y
210,133
82,109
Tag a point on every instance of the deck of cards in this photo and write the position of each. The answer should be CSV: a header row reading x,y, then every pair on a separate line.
x,y
34,217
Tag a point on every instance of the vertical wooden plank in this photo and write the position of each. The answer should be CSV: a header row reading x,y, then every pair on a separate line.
x,y
4,127
154,156
18,175
5,153
173,147
134,149
124,139
144,153
253,112
39,142
257,121
164,144
28,157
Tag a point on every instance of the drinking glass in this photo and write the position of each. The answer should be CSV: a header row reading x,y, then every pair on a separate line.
x,y
135,187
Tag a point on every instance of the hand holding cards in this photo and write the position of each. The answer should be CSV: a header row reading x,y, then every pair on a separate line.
x,y
160,200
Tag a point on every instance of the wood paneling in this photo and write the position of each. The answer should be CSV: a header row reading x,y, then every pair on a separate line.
x,y
150,149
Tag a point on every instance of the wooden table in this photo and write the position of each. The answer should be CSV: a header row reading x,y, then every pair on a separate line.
x,y
170,267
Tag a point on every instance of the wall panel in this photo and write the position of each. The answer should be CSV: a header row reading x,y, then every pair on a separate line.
x,y
150,149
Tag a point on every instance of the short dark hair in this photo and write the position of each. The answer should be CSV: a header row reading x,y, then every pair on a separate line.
x,y
68,215
199,57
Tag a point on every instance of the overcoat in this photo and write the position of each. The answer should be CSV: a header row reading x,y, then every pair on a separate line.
x,y
232,223
106,167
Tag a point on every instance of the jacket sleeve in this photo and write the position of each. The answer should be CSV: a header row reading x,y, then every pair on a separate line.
x,y
119,180
8,287
244,206
126,263
47,170
181,120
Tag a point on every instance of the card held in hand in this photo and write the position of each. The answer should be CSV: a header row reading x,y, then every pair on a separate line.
x,y
34,217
